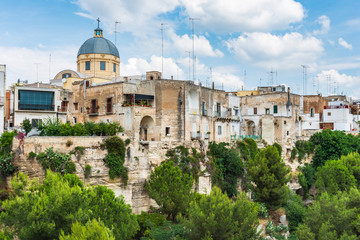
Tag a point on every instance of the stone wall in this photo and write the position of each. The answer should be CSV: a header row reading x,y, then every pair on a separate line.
x,y
140,160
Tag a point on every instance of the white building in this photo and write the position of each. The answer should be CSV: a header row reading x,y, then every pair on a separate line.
x,y
37,102
2,96
337,116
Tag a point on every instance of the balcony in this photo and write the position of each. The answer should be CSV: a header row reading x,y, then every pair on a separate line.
x,y
36,107
195,135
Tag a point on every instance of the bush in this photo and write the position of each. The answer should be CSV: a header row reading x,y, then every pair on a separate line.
x,y
32,155
26,125
54,127
92,230
127,142
295,210
148,221
56,162
87,172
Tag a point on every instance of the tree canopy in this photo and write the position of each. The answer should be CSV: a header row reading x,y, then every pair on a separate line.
x,y
170,189
42,211
270,176
215,216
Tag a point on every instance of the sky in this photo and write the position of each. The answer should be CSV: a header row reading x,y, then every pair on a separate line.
x,y
237,43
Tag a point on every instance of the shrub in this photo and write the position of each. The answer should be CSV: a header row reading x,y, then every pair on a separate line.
x,y
148,221
87,172
69,143
56,161
127,142
26,125
116,167
32,155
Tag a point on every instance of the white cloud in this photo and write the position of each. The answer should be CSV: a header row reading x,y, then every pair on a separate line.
x,y
284,52
345,44
32,64
138,66
324,22
202,45
341,79
136,16
244,15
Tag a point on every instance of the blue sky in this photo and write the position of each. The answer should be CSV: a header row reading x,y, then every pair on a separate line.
x,y
231,37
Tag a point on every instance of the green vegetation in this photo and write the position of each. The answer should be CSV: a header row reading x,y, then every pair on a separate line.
x,y
332,216
32,155
215,216
93,230
148,221
295,210
54,127
226,167
339,175
6,165
270,175
44,211
189,163
26,125
87,171
115,158
174,196
56,162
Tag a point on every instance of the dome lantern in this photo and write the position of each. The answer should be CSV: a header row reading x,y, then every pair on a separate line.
x,y
98,32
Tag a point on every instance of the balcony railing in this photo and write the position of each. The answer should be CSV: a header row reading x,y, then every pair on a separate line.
x,y
195,135
39,107
242,137
336,107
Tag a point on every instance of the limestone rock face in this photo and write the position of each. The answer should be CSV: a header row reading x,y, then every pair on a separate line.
x,y
140,159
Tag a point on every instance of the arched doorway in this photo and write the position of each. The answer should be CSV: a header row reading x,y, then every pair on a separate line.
x,y
147,129
250,128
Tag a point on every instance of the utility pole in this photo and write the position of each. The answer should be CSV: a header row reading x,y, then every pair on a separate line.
x,y
162,48
193,44
189,62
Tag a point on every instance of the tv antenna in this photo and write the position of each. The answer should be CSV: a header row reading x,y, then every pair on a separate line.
x,y
193,43
305,67
37,71
189,62
162,47
115,32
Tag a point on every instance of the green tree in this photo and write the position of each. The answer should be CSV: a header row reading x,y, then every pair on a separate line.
x,y
170,188
331,145
215,216
93,230
336,214
41,211
189,163
339,175
270,175
295,210
26,125
227,167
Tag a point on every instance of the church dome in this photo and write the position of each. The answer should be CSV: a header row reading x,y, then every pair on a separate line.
x,y
98,44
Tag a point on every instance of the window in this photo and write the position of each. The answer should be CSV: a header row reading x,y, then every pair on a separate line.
x,y
275,109
64,106
76,106
66,75
219,130
75,120
36,100
87,83
114,67
203,110
102,65
35,122
329,113
81,110
267,111
218,109
312,112
109,105
94,108
167,131
255,111
87,65
236,112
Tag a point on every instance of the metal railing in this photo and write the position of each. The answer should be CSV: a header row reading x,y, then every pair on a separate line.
x,y
242,137
40,107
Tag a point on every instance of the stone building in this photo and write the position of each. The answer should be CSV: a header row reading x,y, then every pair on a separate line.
x,y
272,116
